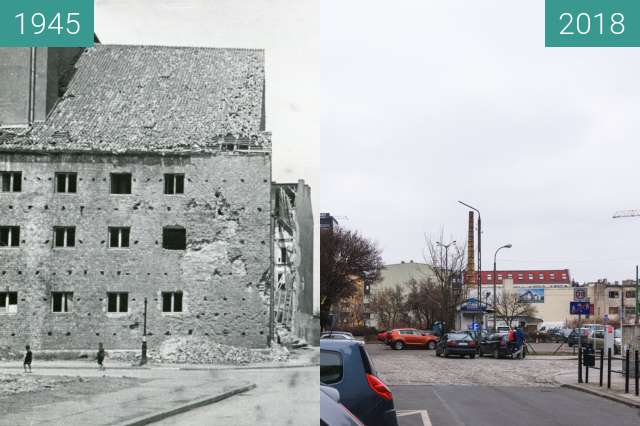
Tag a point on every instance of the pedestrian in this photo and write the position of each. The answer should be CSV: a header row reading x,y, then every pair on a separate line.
x,y
520,339
28,357
100,356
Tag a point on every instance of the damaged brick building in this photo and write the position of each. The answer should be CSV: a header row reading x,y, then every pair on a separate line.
x,y
149,178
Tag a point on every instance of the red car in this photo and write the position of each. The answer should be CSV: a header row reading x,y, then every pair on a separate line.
x,y
383,336
401,338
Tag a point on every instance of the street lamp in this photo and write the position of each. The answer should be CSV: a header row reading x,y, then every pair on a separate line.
x,y
446,265
494,283
479,249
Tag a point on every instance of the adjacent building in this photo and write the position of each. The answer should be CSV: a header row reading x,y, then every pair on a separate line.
x,y
293,255
609,298
150,179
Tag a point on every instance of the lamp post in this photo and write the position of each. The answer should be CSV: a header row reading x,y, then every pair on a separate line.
x,y
479,249
446,265
494,283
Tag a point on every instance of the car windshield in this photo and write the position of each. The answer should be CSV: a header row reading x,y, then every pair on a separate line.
x,y
459,336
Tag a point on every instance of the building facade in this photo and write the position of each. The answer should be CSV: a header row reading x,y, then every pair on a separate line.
x,y
550,291
150,179
609,298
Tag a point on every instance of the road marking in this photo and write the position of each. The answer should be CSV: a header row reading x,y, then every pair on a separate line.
x,y
424,415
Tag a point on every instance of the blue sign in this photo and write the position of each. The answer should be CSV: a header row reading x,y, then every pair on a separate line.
x,y
474,326
579,308
606,317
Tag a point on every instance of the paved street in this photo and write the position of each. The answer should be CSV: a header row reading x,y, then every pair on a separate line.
x,y
421,366
436,391
287,396
456,405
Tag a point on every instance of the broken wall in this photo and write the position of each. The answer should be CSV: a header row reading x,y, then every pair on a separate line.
x,y
222,273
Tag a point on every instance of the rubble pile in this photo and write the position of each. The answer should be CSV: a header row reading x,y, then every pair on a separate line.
x,y
8,353
16,383
288,339
205,350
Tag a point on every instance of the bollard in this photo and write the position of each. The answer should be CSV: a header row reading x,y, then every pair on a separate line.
x,y
637,375
579,364
626,372
609,368
601,364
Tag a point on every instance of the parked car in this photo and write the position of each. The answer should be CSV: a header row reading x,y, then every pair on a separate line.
x,y
456,343
383,336
332,412
572,339
401,338
495,345
346,366
617,341
340,335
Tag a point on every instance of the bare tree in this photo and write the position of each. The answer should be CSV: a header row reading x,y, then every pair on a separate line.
x,y
345,254
389,306
509,307
447,264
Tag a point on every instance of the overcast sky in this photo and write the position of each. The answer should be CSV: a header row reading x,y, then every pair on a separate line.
x,y
288,31
428,102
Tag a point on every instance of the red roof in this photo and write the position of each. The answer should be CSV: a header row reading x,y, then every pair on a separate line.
x,y
543,276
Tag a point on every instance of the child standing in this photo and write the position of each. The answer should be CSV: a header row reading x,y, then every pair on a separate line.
x,y
28,357
100,356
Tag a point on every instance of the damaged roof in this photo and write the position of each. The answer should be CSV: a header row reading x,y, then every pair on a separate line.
x,y
155,99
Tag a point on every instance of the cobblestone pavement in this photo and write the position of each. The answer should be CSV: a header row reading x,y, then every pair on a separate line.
x,y
421,366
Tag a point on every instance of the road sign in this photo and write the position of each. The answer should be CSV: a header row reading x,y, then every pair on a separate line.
x,y
579,294
475,326
606,317
579,308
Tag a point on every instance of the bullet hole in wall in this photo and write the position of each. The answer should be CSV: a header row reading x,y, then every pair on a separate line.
x,y
118,272
13,334
242,180
46,242
97,334
101,272
29,207
190,332
46,207
167,333
168,208
49,333
69,271
262,332
259,209
241,241
206,334
205,297
80,241
19,272
63,208
37,272
49,178
262,242
225,332
85,272
54,273
67,333
215,314
89,314
244,334
93,179
135,242
264,180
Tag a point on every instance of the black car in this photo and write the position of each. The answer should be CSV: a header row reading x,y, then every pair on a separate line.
x,y
456,343
572,340
495,345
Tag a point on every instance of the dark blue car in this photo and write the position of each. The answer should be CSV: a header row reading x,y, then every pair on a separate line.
x,y
346,366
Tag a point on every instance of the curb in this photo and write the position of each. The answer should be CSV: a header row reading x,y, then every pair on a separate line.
x,y
611,397
248,367
145,420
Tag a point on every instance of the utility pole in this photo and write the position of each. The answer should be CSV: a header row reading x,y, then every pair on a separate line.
x,y
143,358
494,283
637,299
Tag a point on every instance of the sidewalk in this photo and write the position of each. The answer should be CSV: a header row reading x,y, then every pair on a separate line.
x,y
616,393
157,391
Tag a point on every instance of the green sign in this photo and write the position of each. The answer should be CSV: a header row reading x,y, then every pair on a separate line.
x,y
46,23
592,23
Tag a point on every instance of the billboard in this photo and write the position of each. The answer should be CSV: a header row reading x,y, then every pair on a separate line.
x,y
531,295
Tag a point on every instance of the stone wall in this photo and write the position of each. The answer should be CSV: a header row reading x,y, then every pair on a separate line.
x,y
222,273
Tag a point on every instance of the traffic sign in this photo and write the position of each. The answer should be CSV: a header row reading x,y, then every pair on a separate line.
x,y
579,308
475,326
606,317
579,294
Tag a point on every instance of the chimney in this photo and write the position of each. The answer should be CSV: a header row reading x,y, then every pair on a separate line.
x,y
470,278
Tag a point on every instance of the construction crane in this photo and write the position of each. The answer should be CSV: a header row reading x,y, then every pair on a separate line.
x,y
626,213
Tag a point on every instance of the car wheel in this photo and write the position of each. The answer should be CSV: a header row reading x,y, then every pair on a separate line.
x,y
398,345
431,345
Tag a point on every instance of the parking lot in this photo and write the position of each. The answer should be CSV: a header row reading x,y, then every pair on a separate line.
x,y
421,366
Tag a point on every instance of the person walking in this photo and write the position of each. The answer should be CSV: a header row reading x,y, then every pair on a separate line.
x,y
520,339
28,357
100,356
